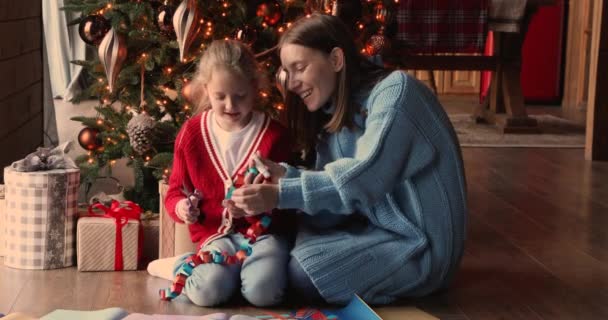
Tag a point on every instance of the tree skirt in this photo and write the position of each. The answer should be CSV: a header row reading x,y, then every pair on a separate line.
x,y
555,133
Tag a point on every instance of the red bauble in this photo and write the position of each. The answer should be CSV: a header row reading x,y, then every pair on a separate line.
x,y
270,11
89,139
93,28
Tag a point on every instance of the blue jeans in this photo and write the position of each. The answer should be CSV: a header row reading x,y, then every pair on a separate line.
x,y
262,277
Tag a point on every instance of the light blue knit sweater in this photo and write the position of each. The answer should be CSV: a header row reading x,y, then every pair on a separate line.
x,y
403,171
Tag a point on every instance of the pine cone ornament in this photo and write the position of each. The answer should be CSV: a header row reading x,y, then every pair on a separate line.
x,y
141,132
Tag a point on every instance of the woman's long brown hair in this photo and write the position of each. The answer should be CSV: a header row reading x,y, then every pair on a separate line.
x,y
359,75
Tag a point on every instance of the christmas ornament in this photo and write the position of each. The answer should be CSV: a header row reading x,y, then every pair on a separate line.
x,y
382,14
187,92
246,34
89,139
281,81
93,28
112,53
164,18
377,43
270,12
187,26
140,130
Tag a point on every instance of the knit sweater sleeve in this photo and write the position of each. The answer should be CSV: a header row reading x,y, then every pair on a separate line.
x,y
386,152
179,175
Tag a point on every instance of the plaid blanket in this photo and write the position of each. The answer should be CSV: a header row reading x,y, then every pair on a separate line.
x,y
442,26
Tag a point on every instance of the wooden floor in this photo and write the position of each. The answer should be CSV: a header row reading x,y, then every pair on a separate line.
x,y
537,248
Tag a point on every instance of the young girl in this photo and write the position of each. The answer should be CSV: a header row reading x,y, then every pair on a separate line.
x,y
211,152
388,185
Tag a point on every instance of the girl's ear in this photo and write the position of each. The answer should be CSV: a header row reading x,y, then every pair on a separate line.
x,y
336,57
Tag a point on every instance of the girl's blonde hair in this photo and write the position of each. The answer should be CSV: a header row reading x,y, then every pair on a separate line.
x,y
232,55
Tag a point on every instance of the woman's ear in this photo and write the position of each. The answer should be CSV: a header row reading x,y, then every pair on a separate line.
x,y
336,57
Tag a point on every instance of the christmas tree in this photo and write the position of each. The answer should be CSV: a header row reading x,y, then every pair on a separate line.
x,y
147,53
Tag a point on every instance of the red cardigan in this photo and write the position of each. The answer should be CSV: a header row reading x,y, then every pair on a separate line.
x,y
197,164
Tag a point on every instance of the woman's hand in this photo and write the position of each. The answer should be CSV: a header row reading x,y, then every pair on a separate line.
x,y
254,199
274,170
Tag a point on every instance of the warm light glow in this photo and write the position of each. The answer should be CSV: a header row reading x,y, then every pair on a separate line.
x,y
113,162
91,160
264,94
99,121
100,79
224,14
279,106
281,29
186,107
109,6
148,158
144,55
360,25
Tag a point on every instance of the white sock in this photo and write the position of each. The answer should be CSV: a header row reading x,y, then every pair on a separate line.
x,y
163,268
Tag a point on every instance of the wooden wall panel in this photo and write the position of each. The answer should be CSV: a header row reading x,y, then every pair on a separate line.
x,y
596,147
21,112
578,47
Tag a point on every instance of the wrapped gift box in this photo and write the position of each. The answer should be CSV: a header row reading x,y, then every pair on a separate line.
x,y
174,237
151,240
39,218
97,247
2,222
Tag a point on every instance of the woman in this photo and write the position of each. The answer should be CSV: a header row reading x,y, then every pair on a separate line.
x,y
383,212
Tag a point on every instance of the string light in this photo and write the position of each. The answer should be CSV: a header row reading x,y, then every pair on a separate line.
x,y
99,121
109,6
113,162
100,80
90,161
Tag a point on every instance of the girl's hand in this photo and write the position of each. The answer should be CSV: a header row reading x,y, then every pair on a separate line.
x,y
275,170
233,210
254,199
187,210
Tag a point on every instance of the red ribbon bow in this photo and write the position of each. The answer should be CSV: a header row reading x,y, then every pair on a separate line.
x,y
121,213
